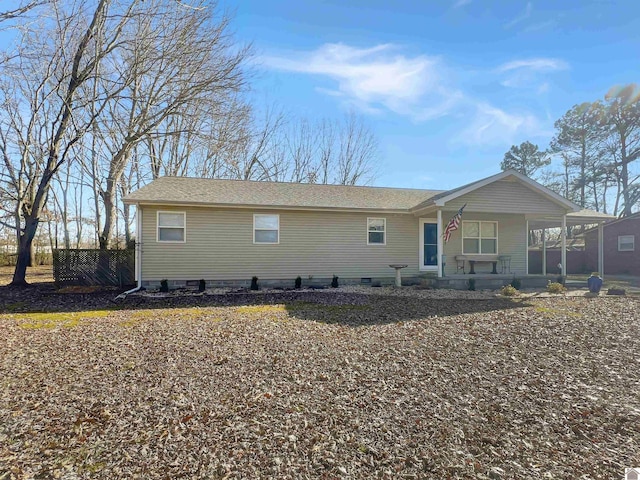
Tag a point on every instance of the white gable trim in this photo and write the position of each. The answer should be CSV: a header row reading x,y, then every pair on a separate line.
x,y
440,202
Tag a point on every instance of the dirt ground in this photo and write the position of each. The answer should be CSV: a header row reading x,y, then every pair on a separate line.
x,y
37,274
317,385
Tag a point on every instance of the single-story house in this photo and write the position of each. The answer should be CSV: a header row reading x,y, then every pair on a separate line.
x,y
620,247
228,231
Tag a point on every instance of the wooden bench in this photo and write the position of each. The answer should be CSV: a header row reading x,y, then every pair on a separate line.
x,y
473,259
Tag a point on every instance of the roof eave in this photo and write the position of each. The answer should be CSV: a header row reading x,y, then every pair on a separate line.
x,y
264,206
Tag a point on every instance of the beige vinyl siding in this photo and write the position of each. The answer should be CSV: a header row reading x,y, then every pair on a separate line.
x,y
219,246
506,197
512,239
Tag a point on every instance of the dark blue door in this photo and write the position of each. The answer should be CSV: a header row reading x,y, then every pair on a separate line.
x,y
430,244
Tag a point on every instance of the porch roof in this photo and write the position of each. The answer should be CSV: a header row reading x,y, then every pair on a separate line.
x,y
581,217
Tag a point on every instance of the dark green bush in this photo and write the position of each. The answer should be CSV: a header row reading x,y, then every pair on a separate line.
x,y
298,283
202,285
472,284
334,282
516,283
164,285
254,283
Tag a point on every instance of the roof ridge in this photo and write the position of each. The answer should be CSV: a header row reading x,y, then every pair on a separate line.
x,y
270,182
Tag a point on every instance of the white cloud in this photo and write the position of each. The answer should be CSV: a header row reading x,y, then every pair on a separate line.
x,y
529,73
490,125
375,77
537,64
381,79
522,17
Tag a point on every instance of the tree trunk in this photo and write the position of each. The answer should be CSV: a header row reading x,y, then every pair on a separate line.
x,y
25,252
108,197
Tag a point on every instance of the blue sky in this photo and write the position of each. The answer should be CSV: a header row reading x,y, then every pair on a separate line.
x,y
448,86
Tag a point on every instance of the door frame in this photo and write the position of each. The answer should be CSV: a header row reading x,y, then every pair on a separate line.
x,y
422,266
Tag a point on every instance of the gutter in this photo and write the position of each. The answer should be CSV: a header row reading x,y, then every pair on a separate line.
x,y
138,255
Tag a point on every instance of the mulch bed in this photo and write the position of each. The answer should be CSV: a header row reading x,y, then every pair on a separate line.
x,y
317,385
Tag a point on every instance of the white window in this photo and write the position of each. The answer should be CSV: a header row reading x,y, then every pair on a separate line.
x,y
172,227
376,231
626,243
480,237
266,228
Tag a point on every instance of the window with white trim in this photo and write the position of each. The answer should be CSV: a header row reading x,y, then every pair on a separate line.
x,y
172,227
626,243
376,231
479,237
266,228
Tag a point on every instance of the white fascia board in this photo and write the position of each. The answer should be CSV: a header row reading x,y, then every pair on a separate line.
x,y
507,173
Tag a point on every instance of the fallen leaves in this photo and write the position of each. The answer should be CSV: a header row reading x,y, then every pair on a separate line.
x,y
321,385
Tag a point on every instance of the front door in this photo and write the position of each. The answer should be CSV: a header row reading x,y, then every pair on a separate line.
x,y
428,244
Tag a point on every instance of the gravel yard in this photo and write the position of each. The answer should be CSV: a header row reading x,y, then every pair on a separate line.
x,y
327,384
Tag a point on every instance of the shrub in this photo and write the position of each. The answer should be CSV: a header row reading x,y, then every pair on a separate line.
x,y
254,283
164,285
298,283
509,291
472,284
334,282
561,280
202,285
555,287
516,283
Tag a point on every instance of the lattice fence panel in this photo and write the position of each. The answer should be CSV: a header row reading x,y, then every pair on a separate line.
x,y
94,267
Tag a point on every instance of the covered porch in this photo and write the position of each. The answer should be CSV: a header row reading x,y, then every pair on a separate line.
x,y
492,219
580,218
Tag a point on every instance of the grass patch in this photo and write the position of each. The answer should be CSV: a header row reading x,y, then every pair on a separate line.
x,y
59,319
262,309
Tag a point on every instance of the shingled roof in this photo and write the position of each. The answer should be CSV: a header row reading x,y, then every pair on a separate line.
x,y
211,192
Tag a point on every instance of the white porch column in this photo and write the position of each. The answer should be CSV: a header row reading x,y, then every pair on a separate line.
x,y
526,252
440,240
544,251
563,255
601,249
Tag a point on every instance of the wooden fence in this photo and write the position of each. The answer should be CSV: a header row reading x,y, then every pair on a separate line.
x,y
94,267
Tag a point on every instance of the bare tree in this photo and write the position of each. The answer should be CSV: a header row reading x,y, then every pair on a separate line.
x,y
42,86
357,152
622,118
20,9
179,62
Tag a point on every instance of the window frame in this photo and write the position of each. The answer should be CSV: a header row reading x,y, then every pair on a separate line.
x,y
480,237
255,215
384,231
633,243
184,226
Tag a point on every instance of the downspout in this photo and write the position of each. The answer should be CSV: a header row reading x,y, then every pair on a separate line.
x,y
563,254
138,255
544,252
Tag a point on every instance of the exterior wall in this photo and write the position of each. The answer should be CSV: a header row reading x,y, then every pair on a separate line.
x,y
219,246
512,240
506,197
615,262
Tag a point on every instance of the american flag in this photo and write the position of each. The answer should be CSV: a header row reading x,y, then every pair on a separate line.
x,y
453,224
